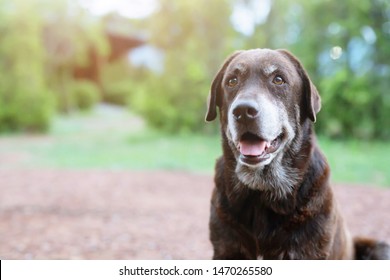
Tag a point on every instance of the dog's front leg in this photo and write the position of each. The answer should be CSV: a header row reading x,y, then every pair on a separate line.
x,y
230,240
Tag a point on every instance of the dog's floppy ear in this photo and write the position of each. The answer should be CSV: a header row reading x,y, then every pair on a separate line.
x,y
311,98
215,94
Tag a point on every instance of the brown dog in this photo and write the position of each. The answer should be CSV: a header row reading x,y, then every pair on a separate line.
x,y
272,198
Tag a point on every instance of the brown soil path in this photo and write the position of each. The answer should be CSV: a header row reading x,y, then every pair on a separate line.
x,y
133,215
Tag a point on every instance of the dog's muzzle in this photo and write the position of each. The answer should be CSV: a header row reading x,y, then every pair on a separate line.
x,y
257,131
254,150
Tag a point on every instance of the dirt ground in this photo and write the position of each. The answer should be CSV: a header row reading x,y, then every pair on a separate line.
x,y
57,214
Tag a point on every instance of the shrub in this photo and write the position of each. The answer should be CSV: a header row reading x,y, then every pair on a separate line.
x,y
353,107
85,94
26,111
118,93
174,105
26,104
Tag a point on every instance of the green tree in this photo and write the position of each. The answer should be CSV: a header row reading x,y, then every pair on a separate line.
x,y
70,35
41,42
195,37
25,101
352,83
345,46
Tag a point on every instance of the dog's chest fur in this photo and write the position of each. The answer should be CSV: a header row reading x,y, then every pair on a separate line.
x,y
282,226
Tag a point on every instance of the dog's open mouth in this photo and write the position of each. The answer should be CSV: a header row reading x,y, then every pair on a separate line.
x,y
254,149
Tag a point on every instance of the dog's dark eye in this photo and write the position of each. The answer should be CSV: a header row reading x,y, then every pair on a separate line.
x,y
232,82
278,80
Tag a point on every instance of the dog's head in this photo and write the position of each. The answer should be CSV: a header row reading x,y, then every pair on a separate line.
x,y
263,96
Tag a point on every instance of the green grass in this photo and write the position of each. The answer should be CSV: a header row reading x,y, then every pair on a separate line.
x,y
358,162
148,150
115,141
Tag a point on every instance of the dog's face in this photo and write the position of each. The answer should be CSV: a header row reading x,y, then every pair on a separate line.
x,y
264,96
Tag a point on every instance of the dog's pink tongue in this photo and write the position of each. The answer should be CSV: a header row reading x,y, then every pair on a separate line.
x,y
252,147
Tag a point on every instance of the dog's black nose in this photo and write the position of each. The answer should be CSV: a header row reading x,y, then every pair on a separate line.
x,y
245,110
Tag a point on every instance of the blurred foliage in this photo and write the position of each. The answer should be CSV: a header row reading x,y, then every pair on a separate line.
x,y
354,86
118,80
85,94
40,43
26,102
69,36
344,45
194,42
